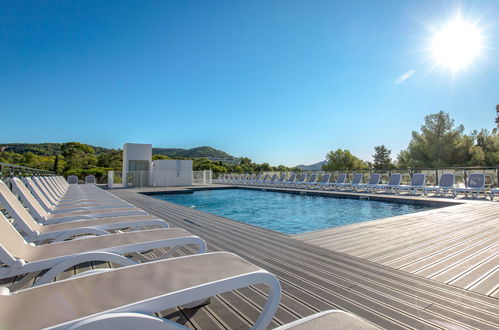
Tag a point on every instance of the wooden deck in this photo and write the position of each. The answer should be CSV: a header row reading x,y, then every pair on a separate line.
x,y
457,245
315,278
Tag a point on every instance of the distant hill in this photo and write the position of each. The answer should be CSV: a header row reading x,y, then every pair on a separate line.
x,y
52,149
41,149
198,152
313,167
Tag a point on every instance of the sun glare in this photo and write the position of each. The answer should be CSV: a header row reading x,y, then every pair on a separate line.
x,y
456,44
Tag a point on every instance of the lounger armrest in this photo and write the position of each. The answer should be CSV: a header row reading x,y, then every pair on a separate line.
x,y
80,258
59,236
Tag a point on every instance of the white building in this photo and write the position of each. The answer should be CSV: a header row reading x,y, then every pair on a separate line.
x,y
139,170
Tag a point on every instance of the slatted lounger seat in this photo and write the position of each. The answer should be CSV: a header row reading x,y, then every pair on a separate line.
x,y
474,186
127,297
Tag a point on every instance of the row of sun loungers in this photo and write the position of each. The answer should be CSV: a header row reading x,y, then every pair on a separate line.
x,y
54,226
475,184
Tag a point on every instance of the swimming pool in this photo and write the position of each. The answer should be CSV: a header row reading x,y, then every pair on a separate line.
x,y
288,213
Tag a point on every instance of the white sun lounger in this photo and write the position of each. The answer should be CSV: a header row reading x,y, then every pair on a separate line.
x,y
356,180
275,183
393,182
35,232
262,180
127,297
323,182
86,213
88,195
311,182
445,185
418,183
300,181
474,186
374,180
65,207
19,257
339,180
288,182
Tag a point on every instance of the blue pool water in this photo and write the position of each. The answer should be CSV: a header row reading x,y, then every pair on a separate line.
x,y
287,213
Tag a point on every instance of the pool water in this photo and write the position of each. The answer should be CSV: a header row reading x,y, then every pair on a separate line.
x,y
288,213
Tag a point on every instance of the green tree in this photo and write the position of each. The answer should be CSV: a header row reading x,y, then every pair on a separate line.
x,y
78,156
157,156
497,118
435,144
342,160
381,158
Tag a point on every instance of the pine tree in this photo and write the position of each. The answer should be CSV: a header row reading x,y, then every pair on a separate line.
x,y
381,158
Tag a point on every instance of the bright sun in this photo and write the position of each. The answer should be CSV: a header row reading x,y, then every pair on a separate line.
x,y
456,44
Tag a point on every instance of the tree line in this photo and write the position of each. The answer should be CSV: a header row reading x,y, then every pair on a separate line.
x,y
439,143
79,159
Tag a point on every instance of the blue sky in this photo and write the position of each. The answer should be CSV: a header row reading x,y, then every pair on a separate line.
x,y
278,81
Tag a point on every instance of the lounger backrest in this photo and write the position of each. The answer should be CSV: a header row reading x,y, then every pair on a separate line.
x,y
341,178
374,179
48,195
16,210
265,177
325,178
274,177
283,177
476,180
72,179
313,178
90,179
395,179
357,178
302,178
28,198
12,242
292,177
258,177
57,183
39,195
54,186
418,179
447,180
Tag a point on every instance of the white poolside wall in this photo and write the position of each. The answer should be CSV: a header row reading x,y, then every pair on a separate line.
x,y
171,173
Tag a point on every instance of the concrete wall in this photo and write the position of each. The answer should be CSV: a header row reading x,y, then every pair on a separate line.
x,y
171,172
